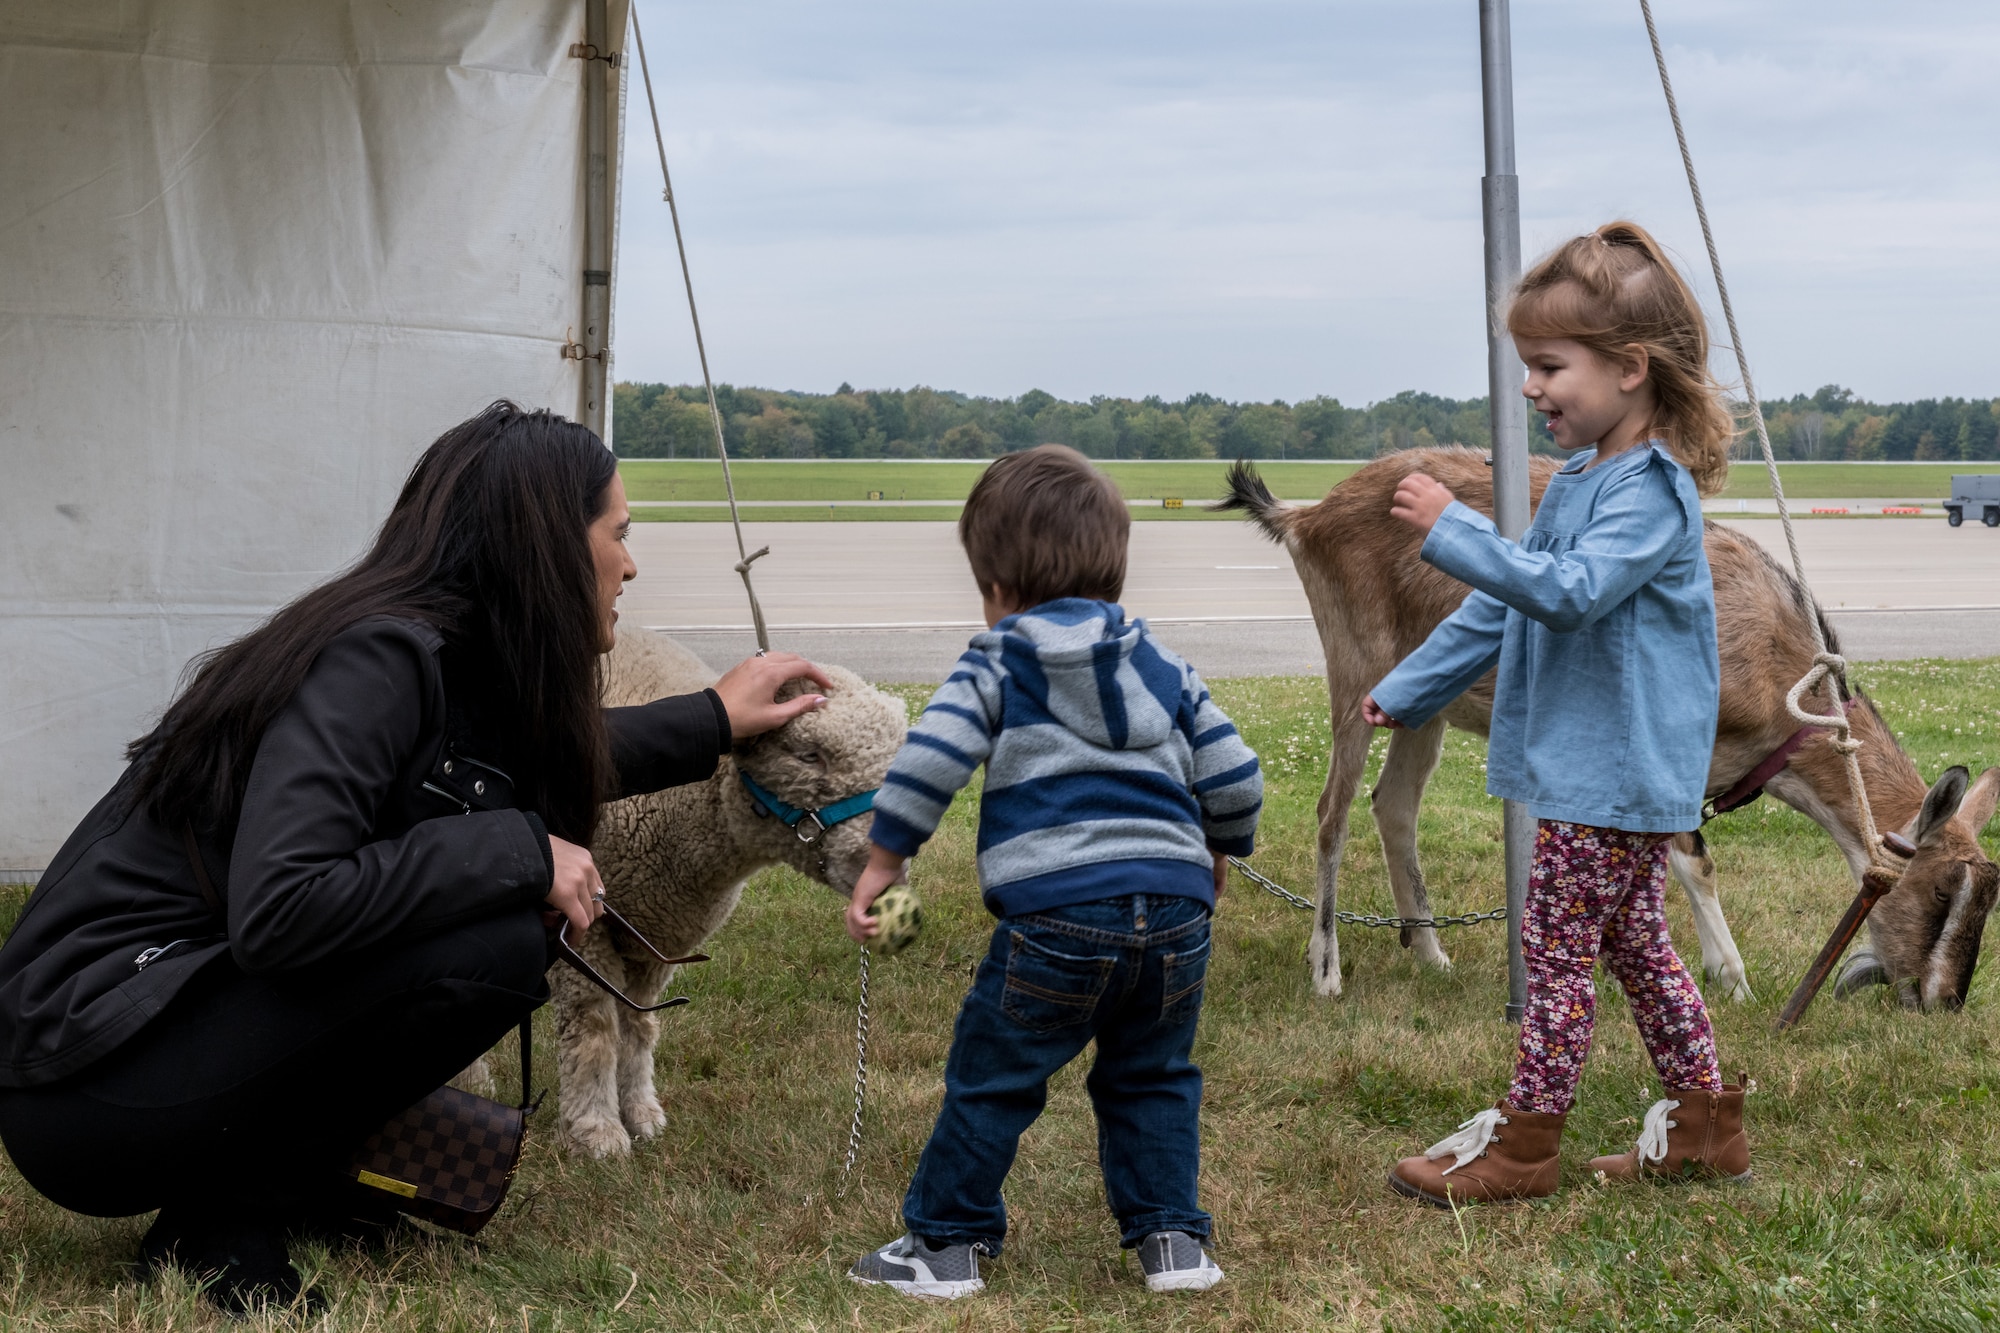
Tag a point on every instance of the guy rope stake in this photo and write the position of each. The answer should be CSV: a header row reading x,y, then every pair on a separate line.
x,y
1829,669
744,558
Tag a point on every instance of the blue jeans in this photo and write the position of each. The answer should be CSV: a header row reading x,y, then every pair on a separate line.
x,y
1126,971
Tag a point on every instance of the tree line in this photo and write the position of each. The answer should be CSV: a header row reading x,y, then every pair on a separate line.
x,y
1833,424
672,421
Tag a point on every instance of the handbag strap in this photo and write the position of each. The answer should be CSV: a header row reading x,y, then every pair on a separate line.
x,y
529,1103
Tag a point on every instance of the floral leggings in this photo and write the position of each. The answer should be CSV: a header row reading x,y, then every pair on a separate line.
x,y
1603,890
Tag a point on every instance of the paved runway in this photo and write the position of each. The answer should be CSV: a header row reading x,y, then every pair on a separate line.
x,y
895,601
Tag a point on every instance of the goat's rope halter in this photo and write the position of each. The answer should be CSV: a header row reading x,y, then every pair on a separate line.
x,y
1829,668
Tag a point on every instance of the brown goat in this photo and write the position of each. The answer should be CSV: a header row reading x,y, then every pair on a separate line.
x,y
1375,601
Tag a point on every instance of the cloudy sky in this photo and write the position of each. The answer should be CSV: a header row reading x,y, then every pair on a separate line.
x,y
1280,198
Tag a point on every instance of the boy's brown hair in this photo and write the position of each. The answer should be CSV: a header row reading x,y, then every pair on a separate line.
x,y
1044,524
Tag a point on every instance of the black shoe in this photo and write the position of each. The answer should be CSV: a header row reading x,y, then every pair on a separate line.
x,y
242,1265
347,1214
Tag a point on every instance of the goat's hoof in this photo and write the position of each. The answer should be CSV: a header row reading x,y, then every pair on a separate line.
x,y
645,1119
1736,987
599,1137
1437,958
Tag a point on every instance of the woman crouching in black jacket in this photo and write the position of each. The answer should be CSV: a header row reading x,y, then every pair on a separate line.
x,y
316,893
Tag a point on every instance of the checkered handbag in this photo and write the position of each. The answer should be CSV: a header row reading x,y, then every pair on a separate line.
x,y
450,1158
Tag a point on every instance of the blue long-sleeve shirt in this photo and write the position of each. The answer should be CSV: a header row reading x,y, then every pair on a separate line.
x,y
1109,770
1602,621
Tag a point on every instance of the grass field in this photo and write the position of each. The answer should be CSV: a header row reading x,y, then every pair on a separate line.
x,y
1876,1132
819,485
1926,482
701,479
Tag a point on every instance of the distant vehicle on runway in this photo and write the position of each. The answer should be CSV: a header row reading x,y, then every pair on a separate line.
x,y
1977,493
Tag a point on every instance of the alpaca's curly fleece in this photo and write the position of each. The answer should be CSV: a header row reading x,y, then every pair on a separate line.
x,y
674,863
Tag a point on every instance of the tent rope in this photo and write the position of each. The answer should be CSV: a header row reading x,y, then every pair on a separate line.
x,y
744,561
744,558
1829,668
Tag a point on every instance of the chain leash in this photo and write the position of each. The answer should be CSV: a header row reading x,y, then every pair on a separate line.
x,y
1278,890
860,1079
1262,881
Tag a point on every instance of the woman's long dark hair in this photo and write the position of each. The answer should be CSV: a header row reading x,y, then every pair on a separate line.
x,y
488,542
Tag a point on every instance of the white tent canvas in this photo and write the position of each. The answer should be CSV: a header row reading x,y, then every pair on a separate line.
x,y
253,257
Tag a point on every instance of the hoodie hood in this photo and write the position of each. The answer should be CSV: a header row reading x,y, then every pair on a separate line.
x,y
1091,670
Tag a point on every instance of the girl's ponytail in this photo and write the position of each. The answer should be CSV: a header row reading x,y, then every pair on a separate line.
x,y
1615,288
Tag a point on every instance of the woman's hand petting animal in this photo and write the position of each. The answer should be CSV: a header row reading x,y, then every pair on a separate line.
x,y
578,892
749,692
1372,714
884,868
1420,498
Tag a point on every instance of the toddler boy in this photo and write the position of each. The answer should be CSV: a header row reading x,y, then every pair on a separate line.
x,y
1115,792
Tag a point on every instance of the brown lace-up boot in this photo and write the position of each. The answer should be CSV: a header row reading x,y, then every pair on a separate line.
x,y
1500,1154
1689,1134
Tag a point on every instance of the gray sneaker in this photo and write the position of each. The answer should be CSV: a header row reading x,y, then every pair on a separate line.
x,y
1175,1261
912,1267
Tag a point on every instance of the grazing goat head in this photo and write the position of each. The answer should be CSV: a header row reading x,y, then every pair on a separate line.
x,y
817,760
1924,934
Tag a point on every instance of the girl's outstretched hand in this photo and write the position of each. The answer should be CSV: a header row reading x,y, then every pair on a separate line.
x,y
884,868
749,692
1420,498
1372,714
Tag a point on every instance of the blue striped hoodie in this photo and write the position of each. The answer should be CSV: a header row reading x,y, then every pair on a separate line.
x,y
1109,770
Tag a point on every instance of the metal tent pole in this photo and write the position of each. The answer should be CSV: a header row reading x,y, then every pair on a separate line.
x,y
595,355
1500,216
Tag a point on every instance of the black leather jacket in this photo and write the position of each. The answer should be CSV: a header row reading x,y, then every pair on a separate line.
x,y
371,812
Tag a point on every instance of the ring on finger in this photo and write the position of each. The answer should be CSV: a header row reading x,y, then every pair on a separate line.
x,y
597,897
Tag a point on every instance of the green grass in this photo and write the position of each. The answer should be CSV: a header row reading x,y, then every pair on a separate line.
x,y
701,479
1926,482
819,486
1876,1138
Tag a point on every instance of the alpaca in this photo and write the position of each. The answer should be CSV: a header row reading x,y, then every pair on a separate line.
x,y
674,863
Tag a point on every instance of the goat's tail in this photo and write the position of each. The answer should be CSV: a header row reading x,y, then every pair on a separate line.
x,y
1248,492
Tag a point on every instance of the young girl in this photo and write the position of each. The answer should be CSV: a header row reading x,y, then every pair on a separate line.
x,y
1602,621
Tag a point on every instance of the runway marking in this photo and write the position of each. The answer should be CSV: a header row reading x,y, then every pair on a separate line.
x,y
1879,610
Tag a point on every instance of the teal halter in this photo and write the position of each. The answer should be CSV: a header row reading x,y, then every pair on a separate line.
x,y
794,818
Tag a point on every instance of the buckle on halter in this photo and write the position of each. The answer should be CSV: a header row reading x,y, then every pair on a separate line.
x,y
818,828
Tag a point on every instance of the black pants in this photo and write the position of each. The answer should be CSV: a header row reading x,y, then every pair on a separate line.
x,y
251,1092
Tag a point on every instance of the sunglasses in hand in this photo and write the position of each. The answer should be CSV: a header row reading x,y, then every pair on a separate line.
x,y
558,926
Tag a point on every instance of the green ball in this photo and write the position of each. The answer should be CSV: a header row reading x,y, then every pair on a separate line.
x,y
900,916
